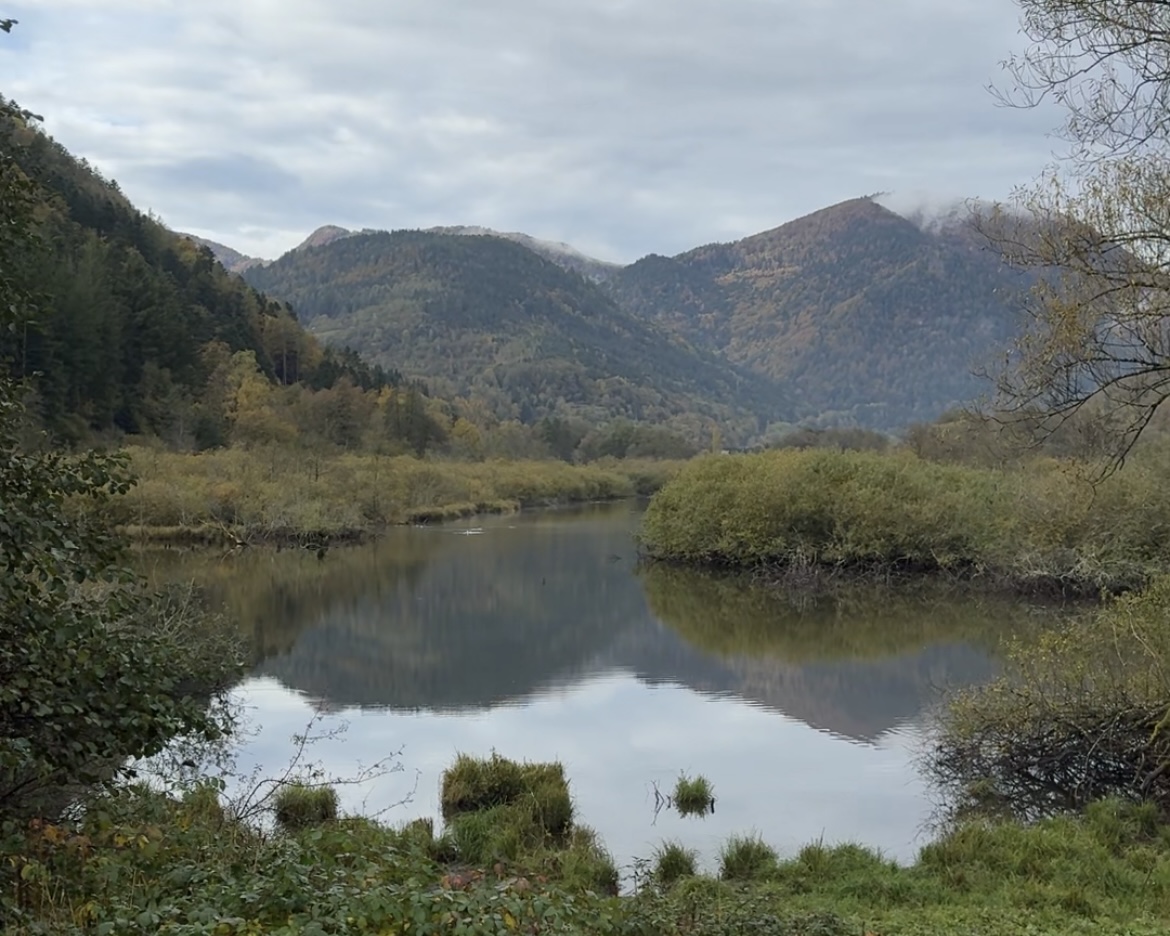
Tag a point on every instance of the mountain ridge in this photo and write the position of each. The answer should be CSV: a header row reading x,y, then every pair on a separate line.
x,y
862,314
488,317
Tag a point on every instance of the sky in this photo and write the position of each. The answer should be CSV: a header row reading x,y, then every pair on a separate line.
x,y
623,127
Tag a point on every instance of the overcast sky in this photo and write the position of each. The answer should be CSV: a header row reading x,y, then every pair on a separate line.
x,y
624,127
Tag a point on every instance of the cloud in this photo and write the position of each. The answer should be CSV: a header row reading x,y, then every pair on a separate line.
x,y
620,126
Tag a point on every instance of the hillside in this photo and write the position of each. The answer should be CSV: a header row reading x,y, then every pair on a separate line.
x,y
137,327
485,316
560,253
863,315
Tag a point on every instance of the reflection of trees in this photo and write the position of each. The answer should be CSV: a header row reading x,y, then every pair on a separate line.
x,y
856,662
728,616
429,619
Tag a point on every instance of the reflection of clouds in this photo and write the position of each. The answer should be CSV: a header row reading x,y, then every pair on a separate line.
x,y
616,736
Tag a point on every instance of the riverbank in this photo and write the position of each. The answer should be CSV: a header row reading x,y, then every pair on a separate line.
x,y
517,861
280,495
805,517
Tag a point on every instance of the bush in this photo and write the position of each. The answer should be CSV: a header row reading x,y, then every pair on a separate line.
x,y
1043,526
299,806
1081,715
746,858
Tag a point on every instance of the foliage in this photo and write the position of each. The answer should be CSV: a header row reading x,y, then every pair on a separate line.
x,y
1098,222
864,317
487,318
134,320
1041,527
1081,715
90,672
299,805
141,863
138,862
693,796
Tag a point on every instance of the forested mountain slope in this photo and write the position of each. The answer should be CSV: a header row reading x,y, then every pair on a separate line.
x,y
133,319
863,315
487,317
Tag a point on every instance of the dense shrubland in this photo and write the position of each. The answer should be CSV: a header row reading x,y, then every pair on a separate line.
x,y
274,494
1043,525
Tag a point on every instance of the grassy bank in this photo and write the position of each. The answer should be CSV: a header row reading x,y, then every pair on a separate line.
x,y
513,859
278,493
1042,526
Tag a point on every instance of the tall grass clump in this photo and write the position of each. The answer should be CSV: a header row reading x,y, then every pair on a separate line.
x,y
693,796
299,806
746,858
673,861
1042,525
498,809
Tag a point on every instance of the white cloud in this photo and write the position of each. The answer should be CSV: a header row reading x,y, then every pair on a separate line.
x,y
620,126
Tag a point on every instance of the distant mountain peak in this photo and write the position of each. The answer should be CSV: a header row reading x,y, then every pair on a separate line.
x,y
232,260
326,234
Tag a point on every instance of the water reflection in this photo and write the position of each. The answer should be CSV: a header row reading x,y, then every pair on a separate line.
x,y
540,637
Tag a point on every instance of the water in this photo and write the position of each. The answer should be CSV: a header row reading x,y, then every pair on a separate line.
x,y
536,636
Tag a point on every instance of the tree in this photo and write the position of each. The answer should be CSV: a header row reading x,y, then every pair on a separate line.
x,y
1095,228
93,669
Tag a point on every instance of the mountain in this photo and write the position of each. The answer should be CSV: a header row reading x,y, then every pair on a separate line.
x,y
233,261
560,253
863,315
326,234
136,324
488,317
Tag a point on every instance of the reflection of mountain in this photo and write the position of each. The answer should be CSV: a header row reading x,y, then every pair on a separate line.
x,y
429,619
491,619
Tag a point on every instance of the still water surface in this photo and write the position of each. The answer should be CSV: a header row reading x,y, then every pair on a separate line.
x,y
537,636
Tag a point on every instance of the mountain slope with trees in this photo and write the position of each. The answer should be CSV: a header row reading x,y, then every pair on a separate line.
x,y
485,317
866,316
138,329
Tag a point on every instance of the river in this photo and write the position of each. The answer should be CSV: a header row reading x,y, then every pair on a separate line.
x,y
537,636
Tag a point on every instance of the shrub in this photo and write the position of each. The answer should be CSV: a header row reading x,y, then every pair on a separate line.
x,y
1043,525
1079,716
299,806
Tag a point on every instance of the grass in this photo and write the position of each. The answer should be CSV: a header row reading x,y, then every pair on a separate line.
x,y
299,806
1042,526
746,858
693,796
673,861
139,862
283,493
